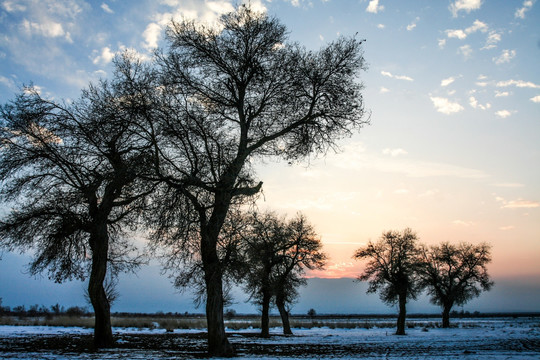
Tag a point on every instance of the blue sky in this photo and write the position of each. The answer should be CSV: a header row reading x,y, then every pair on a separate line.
x,y
453,88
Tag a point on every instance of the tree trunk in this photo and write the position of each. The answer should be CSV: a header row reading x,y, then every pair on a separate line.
x,y
402,315
218,345
265,315
99,243
284,316
446,316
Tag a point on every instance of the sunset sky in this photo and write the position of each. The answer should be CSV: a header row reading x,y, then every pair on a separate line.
x,y
453,88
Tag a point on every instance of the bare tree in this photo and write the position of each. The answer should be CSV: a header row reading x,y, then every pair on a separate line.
x,y
277,252
73,176
393,269
454,274
230,95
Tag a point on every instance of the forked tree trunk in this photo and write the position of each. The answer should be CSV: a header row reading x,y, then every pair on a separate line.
x,y
218,344
446,316
99,243
265,314
402,314
280,303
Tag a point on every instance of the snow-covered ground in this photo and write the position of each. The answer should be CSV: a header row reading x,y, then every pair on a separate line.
x,y
474,339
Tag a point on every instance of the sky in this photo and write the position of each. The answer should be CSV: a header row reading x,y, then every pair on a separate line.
x,y
452,88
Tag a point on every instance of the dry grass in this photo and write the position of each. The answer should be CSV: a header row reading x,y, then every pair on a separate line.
x,y
198,322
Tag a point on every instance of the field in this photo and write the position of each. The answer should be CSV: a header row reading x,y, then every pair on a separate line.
x,y
346,338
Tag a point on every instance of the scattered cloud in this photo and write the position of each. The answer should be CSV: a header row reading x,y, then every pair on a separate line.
x,y
521,204
474,104
413,24
105,57
535,99
445,106
374,7
399,77
7,82
466,51
505,57
447,81
506,228
394,152
518,83
527,5
151,35
441,43
381,26
503,114
47,28
459,34
509,185
492,39
401,192
465,5
106,8
462,223
383,90
501,93
12,6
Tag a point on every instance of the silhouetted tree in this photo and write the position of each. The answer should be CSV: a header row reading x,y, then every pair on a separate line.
x,y
393,269
454,274
73,176
277,253
230,95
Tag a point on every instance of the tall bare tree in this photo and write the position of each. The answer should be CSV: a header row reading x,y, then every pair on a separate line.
x,y
233,94
73,176
393,269
454,274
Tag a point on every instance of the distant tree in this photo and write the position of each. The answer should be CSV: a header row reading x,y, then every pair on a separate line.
x,y
277,254
454,274
304,253
74,176
311,313
230,95
393,269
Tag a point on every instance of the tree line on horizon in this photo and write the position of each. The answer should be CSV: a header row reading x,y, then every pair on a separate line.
x,y
166,148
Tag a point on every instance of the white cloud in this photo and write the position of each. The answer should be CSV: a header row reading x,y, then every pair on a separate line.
x,y
477,26
106,8
462,223
398,77
445,106
492,39
401,191
7,82
465,5
321,37
383,90
474,104
47,29
441,43
151,35
374,7
413,24
520,13
381,26
505,57
506,228
394,152
501,93
466,51
503,114
518,83
459,34
447,81
12,6
105,57
521,204
535,99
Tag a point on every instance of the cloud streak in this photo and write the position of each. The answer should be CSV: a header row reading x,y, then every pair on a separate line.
x,y
445,106
398,77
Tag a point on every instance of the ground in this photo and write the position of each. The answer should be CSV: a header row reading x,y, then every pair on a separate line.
x,y
476,339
